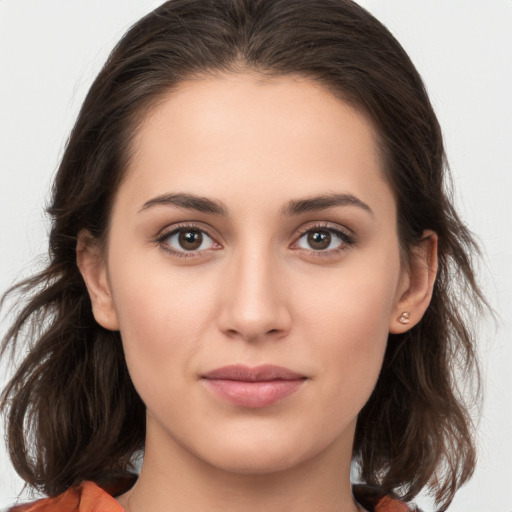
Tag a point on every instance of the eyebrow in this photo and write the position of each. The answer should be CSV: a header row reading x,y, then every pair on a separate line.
x,y
188,201
292,208
317,203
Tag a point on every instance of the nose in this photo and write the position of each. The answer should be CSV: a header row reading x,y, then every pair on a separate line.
x,y
254,304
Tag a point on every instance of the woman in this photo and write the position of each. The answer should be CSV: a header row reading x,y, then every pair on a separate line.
x,y
251,278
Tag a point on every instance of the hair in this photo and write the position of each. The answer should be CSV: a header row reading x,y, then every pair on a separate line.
x,y
72,412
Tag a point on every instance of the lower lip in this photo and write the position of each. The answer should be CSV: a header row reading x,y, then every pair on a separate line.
x,y
253,394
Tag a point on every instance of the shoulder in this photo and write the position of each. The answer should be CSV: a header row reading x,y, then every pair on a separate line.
x,y
374,500
86,497
89,497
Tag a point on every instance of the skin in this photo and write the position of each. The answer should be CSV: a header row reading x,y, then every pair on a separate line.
x,y
260,289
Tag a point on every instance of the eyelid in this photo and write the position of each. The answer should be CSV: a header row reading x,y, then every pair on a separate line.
x,y
344,233
325,225
172,229
339,230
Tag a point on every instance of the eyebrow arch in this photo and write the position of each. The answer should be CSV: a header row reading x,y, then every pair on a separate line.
x,y
188,201
322,202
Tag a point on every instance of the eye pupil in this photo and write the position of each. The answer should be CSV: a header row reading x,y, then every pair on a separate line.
x,y
190,240
319,239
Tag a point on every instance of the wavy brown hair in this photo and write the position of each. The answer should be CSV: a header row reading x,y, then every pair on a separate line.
x,y
72,412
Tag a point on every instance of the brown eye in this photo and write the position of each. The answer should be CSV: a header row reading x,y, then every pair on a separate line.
x,y
187,240
324,240
319,240
190,240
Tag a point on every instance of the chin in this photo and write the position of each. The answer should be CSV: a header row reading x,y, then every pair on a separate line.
x,y
256,461
259,454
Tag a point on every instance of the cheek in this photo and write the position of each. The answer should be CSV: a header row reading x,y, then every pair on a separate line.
x,y
161,317
355,300
347,320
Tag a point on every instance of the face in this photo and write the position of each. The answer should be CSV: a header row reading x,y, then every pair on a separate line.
x,y
253,270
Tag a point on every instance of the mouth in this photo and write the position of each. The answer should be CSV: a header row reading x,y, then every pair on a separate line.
x,y
256,387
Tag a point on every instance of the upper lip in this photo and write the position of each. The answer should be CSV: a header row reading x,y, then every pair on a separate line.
x,y
262,373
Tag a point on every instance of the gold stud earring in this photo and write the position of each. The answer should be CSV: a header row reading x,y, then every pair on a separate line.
x,y
405,318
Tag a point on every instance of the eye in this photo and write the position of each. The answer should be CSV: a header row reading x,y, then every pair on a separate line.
x,y
186,241
324,239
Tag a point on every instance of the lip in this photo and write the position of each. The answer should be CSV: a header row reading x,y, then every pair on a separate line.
x,y
255,387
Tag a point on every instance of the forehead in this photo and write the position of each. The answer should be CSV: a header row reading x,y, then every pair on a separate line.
x,y
263,134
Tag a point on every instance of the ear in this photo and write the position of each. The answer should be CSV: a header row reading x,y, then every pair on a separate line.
x,y
91,262
416,286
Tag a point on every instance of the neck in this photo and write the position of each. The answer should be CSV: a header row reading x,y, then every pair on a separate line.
x,y
173,479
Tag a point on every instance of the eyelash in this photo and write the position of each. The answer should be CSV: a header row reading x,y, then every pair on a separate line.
x,y
346,238
161,239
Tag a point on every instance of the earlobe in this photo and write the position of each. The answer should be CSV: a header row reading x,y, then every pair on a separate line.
x,y
91,263
417,285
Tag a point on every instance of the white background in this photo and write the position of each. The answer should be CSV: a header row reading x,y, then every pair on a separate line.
x,y
50,51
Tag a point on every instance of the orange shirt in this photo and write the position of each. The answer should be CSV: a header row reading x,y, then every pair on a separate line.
x,y
89,497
